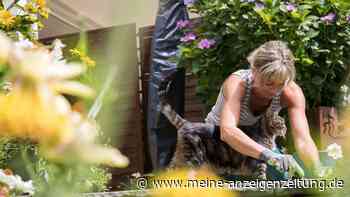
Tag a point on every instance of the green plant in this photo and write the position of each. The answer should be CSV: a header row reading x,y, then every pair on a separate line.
x,y
318,32
23,158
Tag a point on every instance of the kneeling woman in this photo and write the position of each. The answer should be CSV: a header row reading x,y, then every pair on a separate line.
x,y
247,106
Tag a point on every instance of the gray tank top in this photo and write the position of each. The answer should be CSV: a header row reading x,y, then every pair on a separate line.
x,y
247,118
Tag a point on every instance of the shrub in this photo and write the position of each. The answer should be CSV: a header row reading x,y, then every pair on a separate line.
x,y
318,32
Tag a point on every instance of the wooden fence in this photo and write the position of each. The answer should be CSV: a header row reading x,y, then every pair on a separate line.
x,y
131,134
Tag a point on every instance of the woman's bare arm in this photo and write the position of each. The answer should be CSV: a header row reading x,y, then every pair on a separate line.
x,y
230,133
295,101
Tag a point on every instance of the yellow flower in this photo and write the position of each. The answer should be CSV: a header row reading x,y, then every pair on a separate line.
x,y
83,57
83,148
6,18
37,67
190,183
40,25
35,109
88,61
30,8
44,13
41,3
75,52
34,114
31,18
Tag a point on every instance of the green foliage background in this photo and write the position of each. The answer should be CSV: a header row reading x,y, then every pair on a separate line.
x,y
238,26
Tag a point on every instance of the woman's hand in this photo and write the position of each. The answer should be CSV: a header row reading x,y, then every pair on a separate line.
x,y
282,162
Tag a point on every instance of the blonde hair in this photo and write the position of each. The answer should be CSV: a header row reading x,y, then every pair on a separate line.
x,y
273,61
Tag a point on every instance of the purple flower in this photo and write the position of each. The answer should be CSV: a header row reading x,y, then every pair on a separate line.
x,y
248,1
206,43
348,19
329,18
182,24
259,5
188,37
189,2
290,7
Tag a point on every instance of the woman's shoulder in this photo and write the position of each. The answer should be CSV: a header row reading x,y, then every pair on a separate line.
x,y
242,73
234,85
239,77
292,94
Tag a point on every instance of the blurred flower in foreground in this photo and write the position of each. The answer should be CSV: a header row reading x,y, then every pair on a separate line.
x,y
35,109
13,185
83,57
5,47
83,147
334,151
87,152
27,114
56,50
6,87
190,183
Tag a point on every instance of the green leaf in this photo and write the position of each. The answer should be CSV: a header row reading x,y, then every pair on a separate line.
x,y
307,61
266,17
312,33
82,43
268,2
296,15
195,68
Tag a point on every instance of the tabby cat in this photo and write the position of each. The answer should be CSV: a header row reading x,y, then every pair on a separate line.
x,y
196,145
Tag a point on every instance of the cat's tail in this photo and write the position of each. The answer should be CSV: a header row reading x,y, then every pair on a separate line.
x,y
173,117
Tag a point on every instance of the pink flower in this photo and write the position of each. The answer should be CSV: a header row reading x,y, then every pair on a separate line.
x,y
259,6
189,2
290,7
329,18
182,24
206,43
247,1
188,37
